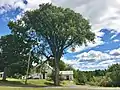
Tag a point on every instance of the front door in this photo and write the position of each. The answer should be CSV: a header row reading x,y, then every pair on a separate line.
x,y
43,75
67,77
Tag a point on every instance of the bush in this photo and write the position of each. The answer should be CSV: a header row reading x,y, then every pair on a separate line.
x,y
106,81
80,78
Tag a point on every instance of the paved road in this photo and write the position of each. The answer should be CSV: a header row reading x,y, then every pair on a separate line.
x,y
86,88
103,88
75,87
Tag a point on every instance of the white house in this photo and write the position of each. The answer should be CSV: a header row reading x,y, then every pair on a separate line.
x,y
66,75
46,70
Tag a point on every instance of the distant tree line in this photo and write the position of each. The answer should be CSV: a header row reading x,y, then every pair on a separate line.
x,y
107,77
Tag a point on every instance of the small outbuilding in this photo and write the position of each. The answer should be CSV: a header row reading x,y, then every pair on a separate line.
x,y
66,75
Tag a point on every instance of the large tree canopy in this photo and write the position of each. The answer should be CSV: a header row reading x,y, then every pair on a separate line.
x,y
56,30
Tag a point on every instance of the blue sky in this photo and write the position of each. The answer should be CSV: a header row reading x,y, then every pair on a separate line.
x,y
104,16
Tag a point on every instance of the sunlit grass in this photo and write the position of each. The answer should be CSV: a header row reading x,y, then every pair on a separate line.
x,y
33,84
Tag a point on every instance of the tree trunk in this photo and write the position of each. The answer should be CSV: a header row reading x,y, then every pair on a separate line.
x,y
56,73
4,74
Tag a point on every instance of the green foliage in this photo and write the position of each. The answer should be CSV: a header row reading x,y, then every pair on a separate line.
x,y
105,81
113,73
94,78
62,65
80,77
109,77
89,75
14,55
99,72
69,67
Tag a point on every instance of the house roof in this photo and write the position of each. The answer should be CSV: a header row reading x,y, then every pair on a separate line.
x,y
46,65
66,72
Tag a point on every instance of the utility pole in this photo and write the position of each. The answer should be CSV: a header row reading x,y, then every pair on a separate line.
x,y
28,66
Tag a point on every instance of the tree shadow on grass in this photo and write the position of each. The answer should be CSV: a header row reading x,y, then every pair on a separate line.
x,y
49,84
21,84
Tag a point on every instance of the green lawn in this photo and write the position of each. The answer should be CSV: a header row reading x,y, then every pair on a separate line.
x,y
18,84
35,82
30,83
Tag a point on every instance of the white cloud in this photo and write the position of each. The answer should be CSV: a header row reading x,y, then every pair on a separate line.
x,y
93,55
74,63
106,14
107,62
96,59
94,65
115,52
71,62
116,40
93,60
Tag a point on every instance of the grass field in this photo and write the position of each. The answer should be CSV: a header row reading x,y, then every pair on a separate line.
x,y
17,84
33,82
